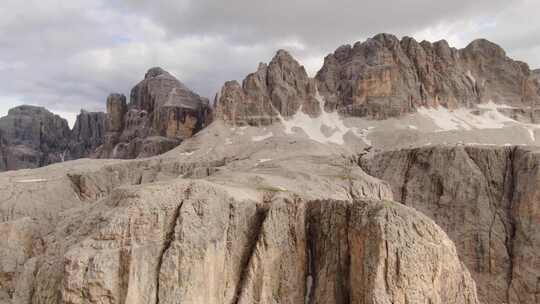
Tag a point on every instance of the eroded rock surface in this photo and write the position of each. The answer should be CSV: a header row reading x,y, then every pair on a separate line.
x,y
32,137
384,77
280,88
210,222
485,198
162,112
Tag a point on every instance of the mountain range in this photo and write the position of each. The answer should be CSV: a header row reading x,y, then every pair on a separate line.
x,y
403,172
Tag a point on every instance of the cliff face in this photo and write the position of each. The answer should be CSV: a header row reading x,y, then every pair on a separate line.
x,y
87,134
307,225
279,88
32,137
382,78
161,113
486,199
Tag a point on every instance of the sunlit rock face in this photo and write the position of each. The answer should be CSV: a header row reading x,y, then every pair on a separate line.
x,y
161,113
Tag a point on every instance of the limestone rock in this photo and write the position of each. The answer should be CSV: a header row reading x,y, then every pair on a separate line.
x,y
280,88
31,137
484,199
160,107
201,243
87,134
384,77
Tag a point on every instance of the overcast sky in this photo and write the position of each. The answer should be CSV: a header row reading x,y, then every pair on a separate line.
x,y
70,54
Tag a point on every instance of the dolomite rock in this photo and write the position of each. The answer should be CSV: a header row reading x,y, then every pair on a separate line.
x,y
384,77
31,137
485,199
87,134
161,113
203,243
222,227
280,88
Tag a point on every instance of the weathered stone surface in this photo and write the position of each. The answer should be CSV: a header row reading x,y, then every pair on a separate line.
x,y
279,88
116,110
202,243
218,225
160,107
384,77
31,137
485,199
87,134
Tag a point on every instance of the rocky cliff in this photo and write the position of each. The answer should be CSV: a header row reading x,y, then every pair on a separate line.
x,y
298,223
486,200
384,77
32,137
161,113
364,184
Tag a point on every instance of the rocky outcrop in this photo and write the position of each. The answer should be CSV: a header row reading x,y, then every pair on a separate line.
x,y
384,77
197,242
87,134
161,113
210,222
32,137
485,198
279,88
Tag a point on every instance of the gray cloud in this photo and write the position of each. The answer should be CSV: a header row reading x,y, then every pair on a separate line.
x,y
68,55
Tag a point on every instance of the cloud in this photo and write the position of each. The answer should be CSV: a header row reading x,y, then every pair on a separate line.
x,y
68,55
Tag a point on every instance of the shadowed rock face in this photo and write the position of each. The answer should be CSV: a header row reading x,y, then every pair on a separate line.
x,y
486,199
32,137
384,77
88,134
161,113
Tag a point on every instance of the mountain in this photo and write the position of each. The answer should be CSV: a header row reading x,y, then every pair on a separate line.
x,y
32,137
161,114
383,78
403,172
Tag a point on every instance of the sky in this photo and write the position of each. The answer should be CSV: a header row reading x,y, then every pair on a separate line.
x,y
69,55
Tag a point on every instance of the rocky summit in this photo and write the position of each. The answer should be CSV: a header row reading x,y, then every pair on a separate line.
x,y
402,172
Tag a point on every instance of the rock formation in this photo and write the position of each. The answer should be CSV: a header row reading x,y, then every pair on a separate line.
x,y
32,137
301,191
87,134
279,88
111,233
384,77
161,113
486,200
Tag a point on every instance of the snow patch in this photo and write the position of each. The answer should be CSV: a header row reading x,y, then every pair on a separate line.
x,y
262,137
313,127
187,153
35,180
264,160
413,127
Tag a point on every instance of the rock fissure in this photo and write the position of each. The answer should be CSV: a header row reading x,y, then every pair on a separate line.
x,y
169,238
250,252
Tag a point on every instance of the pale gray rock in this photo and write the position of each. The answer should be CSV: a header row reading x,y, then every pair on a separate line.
x,y
483,197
